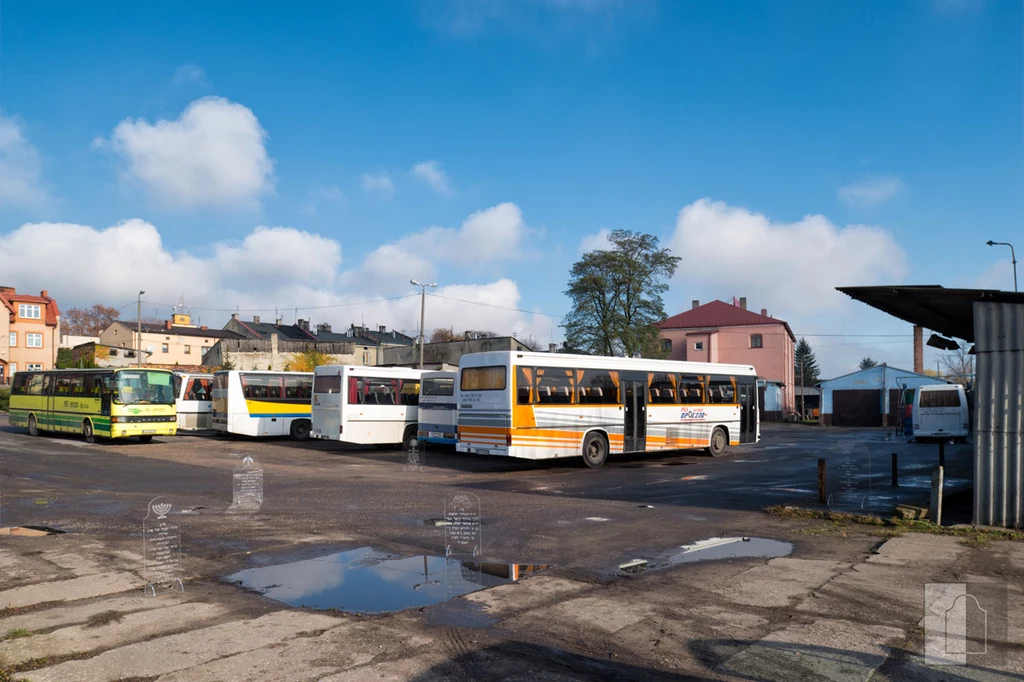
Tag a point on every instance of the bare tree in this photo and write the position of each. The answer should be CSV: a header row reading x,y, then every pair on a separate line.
x,y
958,365
444,335
530,342
88,321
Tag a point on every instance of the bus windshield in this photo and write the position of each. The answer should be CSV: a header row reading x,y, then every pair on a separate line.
x,y
144,387
439,386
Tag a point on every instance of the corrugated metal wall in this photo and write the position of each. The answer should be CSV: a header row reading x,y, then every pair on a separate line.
x,y
999,415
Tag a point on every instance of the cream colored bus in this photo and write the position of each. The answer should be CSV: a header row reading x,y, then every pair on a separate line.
x,y
547,405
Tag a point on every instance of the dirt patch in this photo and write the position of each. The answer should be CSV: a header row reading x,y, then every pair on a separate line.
x,y
103,618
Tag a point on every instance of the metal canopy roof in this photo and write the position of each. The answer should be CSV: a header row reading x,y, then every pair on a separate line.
x,y
949,312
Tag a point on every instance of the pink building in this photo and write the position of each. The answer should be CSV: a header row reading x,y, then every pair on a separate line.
x,y
722,332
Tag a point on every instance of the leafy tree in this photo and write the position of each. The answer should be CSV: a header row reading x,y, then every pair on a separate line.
x,y
868,363
226,365
616,296
88,321
307,361
66,360
805,365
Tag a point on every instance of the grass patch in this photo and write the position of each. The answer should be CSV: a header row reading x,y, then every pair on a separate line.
x,y
844,524
18,633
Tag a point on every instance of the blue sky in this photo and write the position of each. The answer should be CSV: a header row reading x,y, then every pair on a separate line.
x,y
573,115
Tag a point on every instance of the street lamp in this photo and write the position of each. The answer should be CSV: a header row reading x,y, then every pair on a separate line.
x,y
423,308
1013,258
138,319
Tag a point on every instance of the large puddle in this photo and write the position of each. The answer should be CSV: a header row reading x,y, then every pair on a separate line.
x,y
367,581
731,548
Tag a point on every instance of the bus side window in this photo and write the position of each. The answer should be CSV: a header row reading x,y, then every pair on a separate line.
x,y
524,385
691,389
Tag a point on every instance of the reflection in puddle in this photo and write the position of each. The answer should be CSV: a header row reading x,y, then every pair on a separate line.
x,y
367,581
731,548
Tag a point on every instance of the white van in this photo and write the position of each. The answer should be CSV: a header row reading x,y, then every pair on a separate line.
x,y
940,411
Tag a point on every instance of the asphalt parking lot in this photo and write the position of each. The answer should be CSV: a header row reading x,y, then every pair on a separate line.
x,y
323,498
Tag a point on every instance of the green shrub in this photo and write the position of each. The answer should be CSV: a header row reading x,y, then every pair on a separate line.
x,y
5,398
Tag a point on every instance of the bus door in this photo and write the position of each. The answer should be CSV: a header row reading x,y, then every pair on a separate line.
x,y
746,390
635,428
49,388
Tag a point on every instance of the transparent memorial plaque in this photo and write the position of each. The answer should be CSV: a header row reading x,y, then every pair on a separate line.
x,y
247,487
462,529
161,548
415,455
849,476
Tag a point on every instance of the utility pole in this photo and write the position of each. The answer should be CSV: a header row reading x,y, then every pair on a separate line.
x,y
1013,258
423,310
138,319
803,399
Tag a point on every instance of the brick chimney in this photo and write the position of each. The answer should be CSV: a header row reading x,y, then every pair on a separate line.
x,y
694,303
918,349
764,311
743,302
167,324
256,319
234,316
43,294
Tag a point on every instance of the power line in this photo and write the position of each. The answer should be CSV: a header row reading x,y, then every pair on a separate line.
x,y
260,310
854,336
491,305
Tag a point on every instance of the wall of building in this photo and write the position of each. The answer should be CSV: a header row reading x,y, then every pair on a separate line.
x,y
70,341
881,377
773,361
181,349
772,403
20,356
277,355
105,356
446,353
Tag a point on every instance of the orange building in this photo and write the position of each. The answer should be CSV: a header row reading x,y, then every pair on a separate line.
x,y
29,332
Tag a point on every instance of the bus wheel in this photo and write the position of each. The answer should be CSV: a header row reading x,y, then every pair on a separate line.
x,y
718,442
33,428
300,430
595,450
87,432
145,439
409,438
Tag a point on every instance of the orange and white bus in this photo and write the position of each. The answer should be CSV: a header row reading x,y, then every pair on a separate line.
x,y
547,405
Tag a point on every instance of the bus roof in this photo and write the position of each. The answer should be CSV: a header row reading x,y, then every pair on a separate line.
x,y
263,371
603,362
371,370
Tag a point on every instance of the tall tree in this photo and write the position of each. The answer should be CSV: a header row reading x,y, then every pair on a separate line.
x,y
868,363
443,335
616,296
88,321
805,365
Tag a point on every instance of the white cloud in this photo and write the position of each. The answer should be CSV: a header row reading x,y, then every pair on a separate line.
x,y
212,155
190,74
430,172
323,196
871,191
596,242
20,169
486,237
997,276
380,184
792,267
271,268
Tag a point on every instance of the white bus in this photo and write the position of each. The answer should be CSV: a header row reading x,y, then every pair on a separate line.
x,y
940,411
545,405
365,405
437,408
262,403
194,401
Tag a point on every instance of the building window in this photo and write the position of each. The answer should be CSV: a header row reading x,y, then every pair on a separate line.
x,y
33,340
30,312
34,366
113,352
666,345
14,368
164,348
14,339
188,350
206,349
756,341
698,345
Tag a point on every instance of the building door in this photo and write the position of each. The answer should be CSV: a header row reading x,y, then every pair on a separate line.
x,y
857,407
635,429
746,395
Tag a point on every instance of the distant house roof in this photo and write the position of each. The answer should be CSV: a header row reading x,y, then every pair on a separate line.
x,y
719,314
178,330
884,367
10,298
264,330
378,337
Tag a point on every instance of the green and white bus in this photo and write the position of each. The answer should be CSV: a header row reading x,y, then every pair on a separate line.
x,y
107,403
